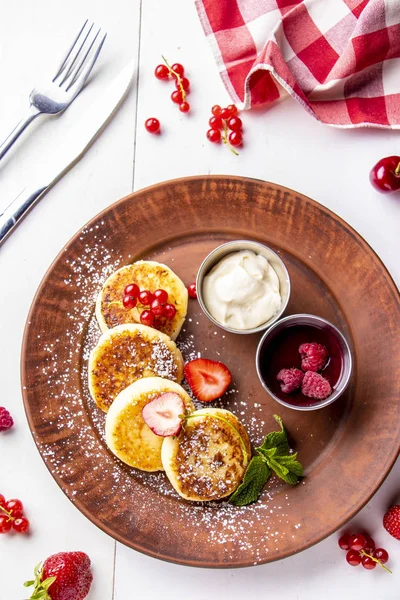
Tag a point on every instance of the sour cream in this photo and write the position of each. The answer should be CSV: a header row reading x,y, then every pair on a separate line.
x,y
242,290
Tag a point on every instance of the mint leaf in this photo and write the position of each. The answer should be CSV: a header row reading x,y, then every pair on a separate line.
x,y
287,468
276,439
256,476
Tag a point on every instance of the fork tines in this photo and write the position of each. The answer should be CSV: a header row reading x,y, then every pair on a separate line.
x,y
88,42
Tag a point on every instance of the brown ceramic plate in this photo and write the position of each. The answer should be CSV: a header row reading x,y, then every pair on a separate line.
x,y
347,448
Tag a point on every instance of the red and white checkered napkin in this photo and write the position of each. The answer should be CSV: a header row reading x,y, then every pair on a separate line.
x,y
339,58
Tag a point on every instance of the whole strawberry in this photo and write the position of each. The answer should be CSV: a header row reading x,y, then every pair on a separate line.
x,y
63,576
391,521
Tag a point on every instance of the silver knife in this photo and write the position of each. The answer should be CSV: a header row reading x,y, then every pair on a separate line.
x,y
74,146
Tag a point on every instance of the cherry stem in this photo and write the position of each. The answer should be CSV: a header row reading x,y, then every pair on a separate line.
x,y
397,170
363,553
225,139
179,78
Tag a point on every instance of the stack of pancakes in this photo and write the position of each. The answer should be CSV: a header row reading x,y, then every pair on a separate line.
x,y
133,364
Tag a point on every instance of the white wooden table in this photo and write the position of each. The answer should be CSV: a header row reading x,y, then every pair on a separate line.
x,y
282,144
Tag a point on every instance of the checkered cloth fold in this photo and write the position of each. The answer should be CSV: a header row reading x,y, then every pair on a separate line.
x,y
340,59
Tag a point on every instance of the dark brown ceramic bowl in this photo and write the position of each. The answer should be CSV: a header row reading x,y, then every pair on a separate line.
x,y
333,273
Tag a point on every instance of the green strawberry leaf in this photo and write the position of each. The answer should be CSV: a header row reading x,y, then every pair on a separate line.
x,y
256,476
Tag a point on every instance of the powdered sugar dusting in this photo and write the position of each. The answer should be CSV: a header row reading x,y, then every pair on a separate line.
x,y
79,424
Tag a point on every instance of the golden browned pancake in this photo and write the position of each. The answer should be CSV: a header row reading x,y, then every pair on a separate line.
x,y
208,459
127,435
148,275
127,353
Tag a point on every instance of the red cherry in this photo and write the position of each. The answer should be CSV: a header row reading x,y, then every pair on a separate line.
x,y
147,318
152,125
192,291
21,525
216,110
5,524
344,542
177,97
184,107
381,554
225,113
178,68
368,563
235,124
132,290
357,541
214,135
169,311
385,175
184,82
157,306
232,110
353,558
235,138
161,72
145,297
129,301
15,508
161,295
215,122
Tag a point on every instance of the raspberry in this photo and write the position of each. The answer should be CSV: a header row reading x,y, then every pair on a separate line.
x,y
391,521
291,379
313,356
6,420
315,386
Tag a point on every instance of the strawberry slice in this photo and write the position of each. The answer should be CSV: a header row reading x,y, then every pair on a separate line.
x,y
208,379
164,414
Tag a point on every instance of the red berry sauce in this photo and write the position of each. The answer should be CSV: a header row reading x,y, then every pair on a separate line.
x,y
282,352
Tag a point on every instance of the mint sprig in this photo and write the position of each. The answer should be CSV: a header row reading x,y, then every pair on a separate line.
x,y
273,455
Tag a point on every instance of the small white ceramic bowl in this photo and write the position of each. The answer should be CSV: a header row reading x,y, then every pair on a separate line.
x,y
275,261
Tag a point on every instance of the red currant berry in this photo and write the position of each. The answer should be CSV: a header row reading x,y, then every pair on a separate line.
x,y
15,508
2,500
184,107
215,122
132,290
235,124
157,306
385,175
357,541
235,138
192,291
183,83
369,544
5,524
177,97
353,558
225,113
161,72
344,542
129,301
381,554
152,125
161,295
21,525
147,318
214,135
216,110
232,110
178,68
169,311
145,297
368,563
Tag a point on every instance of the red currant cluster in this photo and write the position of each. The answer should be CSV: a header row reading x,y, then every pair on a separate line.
x,y
361,550
12,516
156,301
226,126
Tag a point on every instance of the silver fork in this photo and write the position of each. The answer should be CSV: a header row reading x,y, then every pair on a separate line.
x,y
70,78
